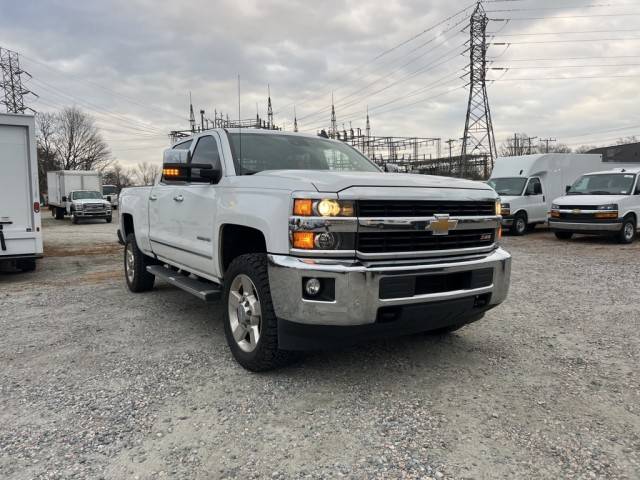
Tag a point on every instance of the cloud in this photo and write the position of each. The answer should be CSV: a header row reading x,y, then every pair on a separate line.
x,y
132,65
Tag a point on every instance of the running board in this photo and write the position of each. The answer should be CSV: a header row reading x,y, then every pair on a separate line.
x,y
209,292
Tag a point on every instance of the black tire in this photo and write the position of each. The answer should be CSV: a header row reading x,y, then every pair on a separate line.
x,y
109,219
628,231
564,235
26,265
138,279
519,226
59,213
74,218
266,355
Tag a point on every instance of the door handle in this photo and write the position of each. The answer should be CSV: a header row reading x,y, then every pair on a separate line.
x,y
153,198
178,198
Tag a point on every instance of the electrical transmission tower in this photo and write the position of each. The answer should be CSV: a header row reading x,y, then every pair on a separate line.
x,y
269,108
11,82
478,140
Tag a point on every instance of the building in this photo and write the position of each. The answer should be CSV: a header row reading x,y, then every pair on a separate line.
x,y
628,153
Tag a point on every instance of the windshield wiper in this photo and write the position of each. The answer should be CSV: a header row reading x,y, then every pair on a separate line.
x,y
249,172
600,192
575,193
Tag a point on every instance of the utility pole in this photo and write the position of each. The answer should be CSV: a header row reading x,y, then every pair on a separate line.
x,y
11,82
334,123
201,120
478,138
546,142
192,117
529,142
450,142
295,120
269,108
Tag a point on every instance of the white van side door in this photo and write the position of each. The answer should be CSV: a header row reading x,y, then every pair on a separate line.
x,y
535,200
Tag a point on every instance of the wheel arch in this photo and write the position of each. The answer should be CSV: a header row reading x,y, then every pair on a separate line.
x,y
235,240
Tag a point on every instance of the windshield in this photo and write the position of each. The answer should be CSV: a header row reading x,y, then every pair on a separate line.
x,y
512,186
86,195
108,189
254,152
603,184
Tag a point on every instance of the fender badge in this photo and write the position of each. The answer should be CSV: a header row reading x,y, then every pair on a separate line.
x,y
442,224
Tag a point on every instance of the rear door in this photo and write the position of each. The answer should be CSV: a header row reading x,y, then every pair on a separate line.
x,y
16,207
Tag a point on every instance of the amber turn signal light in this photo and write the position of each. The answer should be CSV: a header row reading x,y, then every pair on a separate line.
x,y
303,207
171,172
303,240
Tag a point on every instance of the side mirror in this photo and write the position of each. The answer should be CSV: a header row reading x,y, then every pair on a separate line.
x,y
567,188
108,198
176,156
212,174
64,199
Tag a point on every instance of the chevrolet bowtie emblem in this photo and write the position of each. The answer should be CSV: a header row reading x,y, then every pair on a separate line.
x,y
442,224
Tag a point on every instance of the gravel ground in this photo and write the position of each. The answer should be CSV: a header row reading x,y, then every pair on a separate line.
x,y
97,382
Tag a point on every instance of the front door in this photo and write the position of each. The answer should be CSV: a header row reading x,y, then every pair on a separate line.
x,y
536,201
198,221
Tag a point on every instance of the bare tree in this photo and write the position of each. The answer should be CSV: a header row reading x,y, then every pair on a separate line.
x,y
554,148
625,140
517,144
145,173
117,175
47,158
78,142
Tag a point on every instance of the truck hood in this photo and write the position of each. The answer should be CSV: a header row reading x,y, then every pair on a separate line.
x,y
509,198
580,200
334,182
90,201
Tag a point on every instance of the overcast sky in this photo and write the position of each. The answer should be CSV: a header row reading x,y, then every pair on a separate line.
x,y
132,64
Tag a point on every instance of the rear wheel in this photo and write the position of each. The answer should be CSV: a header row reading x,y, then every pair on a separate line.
x,y
26,265
59,213
250,323
519,226
135,267
628,230
564,235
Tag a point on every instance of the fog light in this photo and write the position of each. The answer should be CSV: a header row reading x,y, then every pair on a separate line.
x,y
312,287
325,241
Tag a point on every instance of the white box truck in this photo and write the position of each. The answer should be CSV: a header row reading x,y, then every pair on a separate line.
x,y
528,184
20,228
77,193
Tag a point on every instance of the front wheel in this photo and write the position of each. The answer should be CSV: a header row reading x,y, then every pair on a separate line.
x,y
74,218
564,235
519,226
628,230
250,323
135,267
109,219
26,265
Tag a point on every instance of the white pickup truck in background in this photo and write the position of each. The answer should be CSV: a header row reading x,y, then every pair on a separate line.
x,y
310,245
20,227
77,193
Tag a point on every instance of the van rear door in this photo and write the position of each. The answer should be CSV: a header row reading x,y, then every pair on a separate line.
x,y
16,208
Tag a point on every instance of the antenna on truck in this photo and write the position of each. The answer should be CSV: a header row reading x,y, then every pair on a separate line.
x,y
239,126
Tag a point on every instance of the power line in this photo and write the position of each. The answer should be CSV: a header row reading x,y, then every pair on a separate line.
x,y
558,17
567,58
536,67
384,53
562,78
576,40
495,34
567,7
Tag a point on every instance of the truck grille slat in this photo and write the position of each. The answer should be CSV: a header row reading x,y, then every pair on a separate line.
x,y
423,208
381,242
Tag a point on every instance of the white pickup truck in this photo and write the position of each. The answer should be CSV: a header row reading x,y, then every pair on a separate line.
x,y
310,245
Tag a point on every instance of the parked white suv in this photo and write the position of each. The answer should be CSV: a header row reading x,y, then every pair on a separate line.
x,y
601,203
310,245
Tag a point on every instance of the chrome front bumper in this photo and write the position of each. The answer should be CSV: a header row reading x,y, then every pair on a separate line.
x,y
357,298
584,227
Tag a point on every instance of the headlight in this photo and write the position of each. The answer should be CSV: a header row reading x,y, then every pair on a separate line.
x,y
610,207
555,206
498,207
322,240
323,208
79,206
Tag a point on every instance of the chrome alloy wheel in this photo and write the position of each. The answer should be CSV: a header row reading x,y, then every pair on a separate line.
x,y
629,231
130,262
245,315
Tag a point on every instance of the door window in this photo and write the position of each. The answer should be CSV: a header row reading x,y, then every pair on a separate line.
x,y
534,187
206,152
638,186
183,146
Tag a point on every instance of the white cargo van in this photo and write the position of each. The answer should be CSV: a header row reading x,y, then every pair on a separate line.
x,y
77,193
20,228
110,194
528,184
